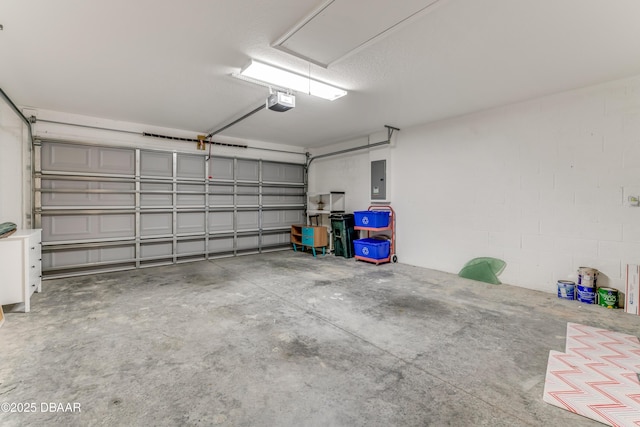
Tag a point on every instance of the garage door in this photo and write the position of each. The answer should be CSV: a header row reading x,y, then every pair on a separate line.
x,y
111,208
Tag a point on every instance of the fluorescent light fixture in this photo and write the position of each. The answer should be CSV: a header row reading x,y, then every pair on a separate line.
x,y
286,79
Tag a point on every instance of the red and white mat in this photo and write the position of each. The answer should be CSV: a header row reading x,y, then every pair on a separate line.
x,y
596,390
598,376
603,345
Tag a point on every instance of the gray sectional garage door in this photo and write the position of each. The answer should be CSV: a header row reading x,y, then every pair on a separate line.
x,y
109,208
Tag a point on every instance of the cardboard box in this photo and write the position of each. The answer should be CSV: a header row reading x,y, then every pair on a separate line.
x,y
632,289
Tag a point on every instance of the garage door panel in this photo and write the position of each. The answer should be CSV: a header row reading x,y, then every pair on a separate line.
x,y
281,172
282,200
248,170
156,164
221,168
187,195
65,157
283,196
156,224
155,200
96,213
60,228
247,242
117,161
113,197
162,197
248,189
248,220
272,219
116,226
191,200
221,244
282,218
87,256
120,200
87,159
244,200
155,250
221,195
275,239
191,247
65,258
221,200
190,166
248,195
81,194
294,217
220,221
190,222
65,199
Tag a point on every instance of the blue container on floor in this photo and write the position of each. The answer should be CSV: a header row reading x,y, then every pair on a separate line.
x,y
586,294
372,248
566,289
372,219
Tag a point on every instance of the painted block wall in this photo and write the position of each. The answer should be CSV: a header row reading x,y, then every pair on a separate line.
x,y
350,172
541,184
13,185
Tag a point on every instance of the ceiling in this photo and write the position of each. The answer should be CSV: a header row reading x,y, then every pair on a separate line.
x,y
169,63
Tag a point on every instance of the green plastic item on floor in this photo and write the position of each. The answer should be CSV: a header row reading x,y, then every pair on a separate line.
x,y
484,269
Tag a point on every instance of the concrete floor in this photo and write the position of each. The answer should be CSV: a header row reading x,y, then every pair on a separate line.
x,y
283,339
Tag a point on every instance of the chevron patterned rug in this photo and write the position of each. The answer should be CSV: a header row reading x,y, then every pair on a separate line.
x,y
598,376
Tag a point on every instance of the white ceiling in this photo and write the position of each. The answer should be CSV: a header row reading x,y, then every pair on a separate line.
x,y
168,63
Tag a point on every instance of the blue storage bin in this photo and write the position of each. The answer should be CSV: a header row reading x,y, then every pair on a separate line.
x,y
372,248
372,219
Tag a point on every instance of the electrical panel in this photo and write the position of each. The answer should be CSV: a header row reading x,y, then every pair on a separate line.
x,y
379,180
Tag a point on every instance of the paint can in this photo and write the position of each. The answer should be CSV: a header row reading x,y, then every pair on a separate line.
x,y
586,294
608,297
566,289
587,276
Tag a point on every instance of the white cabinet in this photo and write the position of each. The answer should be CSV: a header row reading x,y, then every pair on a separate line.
x,y
20,267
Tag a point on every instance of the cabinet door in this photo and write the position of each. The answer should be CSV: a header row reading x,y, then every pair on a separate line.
x,y
320,236
11,268
307,241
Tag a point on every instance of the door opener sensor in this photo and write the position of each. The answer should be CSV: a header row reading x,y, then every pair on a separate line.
x,y
280,101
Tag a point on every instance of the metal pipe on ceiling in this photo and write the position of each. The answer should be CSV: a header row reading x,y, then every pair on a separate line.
x,y
390,130
260,107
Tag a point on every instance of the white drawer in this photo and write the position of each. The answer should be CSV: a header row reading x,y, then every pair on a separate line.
x,y
20,259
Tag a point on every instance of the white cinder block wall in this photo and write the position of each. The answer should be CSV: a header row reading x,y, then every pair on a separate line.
x,y
541,184
349,172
